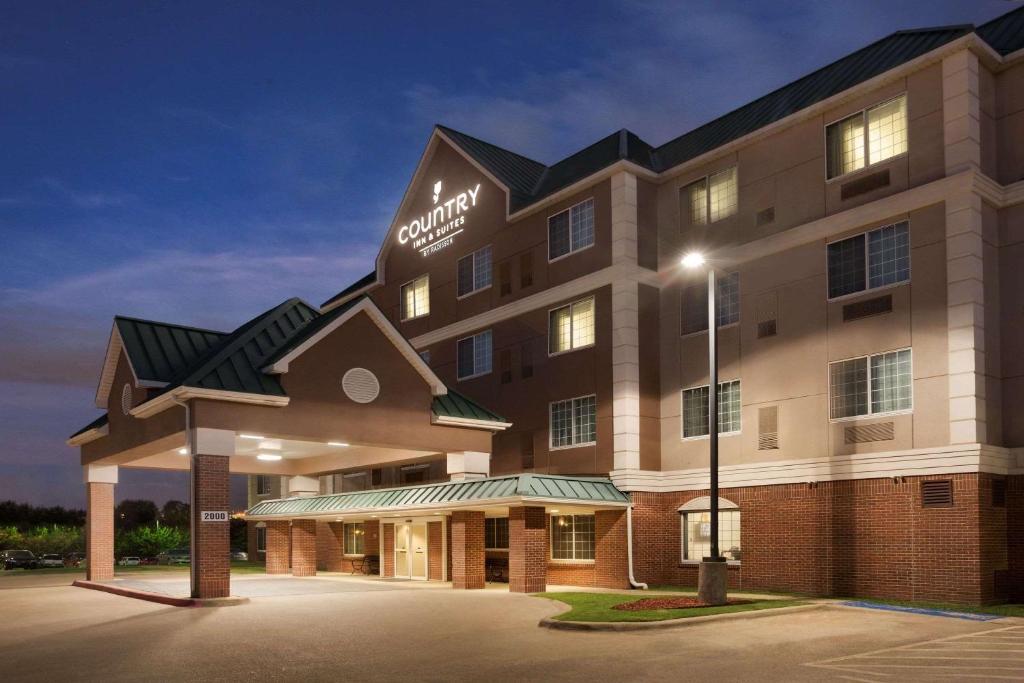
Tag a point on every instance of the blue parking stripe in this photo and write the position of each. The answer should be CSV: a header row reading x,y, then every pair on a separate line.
x,y
922,610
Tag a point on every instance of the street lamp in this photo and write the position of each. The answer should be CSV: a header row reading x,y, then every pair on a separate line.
x,y
712,577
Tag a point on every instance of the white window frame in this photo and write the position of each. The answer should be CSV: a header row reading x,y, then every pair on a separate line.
x,y
869,415
261,531
401,298
551,544
707,196
682,412
572,250
867,264
475,373
569,305
472,257
344,539
263,477
683,550
551,433
867,145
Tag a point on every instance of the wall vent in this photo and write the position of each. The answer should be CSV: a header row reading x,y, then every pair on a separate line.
x,y
360,385
766,216
864,184
126,399
526,269
504,278
526,360
867,308
937,493
768,428
505,364
880,431
766,313
766,329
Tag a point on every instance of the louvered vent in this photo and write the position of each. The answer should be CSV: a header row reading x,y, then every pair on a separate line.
x,y
126,399
766,329
880,431
526,450
865,184
768,428
360,385
766,314
867,308
937,494
766,216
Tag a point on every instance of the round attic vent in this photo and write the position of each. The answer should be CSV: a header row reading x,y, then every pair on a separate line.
x,y
360,385
126,399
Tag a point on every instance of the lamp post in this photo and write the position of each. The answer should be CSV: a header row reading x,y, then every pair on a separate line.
x,y
711,583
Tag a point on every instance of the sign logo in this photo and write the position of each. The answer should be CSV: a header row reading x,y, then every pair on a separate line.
x,y
437,228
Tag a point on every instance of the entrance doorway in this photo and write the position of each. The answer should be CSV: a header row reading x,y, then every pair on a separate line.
x,y
411,550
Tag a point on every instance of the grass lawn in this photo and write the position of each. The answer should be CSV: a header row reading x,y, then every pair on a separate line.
x,y
598,607
1001,610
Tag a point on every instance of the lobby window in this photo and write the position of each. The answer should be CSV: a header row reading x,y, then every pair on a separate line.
x,y
695,304
474,355
874,259
847,147
414,474
696,527
571,327
474,272
262,484
869,385
355,481
712,198
416,298
261,539
574,422
496,533
353,534
695,410
572,537
571,230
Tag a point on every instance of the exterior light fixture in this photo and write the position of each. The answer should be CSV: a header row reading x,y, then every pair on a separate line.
x,y
250,436
268,456
338,444
182,451
694,259
554,510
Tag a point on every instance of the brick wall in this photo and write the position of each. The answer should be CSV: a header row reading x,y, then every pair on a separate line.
x,y
527,555
330,545
278,547
303,547
1014,579
250,543
435,555
211,544
99,531
467,549
387,558
611,566
865,538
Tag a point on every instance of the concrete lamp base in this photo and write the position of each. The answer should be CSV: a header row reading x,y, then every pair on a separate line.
x,y
711,581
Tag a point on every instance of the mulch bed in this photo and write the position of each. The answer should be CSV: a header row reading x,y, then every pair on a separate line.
x,y
668,603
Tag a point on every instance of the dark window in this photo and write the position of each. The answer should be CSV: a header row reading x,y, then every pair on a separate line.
x,y
414,474
355,481
261,539
262,484
874,259
474,355
496,533
695,304
474,271
571,230
526,269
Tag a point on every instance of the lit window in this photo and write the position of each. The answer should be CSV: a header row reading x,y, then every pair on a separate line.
x,y
262,485
572,326
697,534
695,410
873,259
474,355
847,147
695,303
574,422
572,537
496,533
416,298
571,230
353,534
881,383
712,198
474,271
261,539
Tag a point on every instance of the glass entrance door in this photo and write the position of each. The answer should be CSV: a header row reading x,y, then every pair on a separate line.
x,y
419,551
411,550
402,550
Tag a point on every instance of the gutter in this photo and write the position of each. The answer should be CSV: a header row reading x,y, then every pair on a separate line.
x,y
629,550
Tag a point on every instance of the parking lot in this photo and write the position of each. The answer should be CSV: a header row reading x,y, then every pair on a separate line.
x,y
327,628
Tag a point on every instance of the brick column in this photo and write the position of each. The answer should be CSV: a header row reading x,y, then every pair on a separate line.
x,y
468,549
99,531
387,553
611,568
211,541
330,540
278,546
304,547
527,550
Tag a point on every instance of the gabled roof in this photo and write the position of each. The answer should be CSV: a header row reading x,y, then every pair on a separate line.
x,y
596,491
159,351
455,405
1006,33
90,431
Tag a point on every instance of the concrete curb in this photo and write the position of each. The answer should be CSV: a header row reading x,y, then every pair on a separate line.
x,y
159,598
557,625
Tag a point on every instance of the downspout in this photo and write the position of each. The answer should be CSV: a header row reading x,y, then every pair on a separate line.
x,y
629,549
190,443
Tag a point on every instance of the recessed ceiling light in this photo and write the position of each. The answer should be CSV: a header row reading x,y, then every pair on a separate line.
x,y
555,510
338,444
250,436
268,456
182,451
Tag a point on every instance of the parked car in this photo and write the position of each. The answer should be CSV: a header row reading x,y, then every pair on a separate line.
x,y
51,561
19,559
74,560
130,561
176,556
147,561
239,555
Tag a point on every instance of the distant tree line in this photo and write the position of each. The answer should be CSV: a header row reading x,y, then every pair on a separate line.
x,y
128,515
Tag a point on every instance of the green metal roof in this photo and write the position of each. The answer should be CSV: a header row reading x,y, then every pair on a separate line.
x,y
454,404
160,351
585,490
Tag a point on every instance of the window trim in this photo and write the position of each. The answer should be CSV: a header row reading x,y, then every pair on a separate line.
x,y
569,305
869,415
257,484
686,562
707,196
344,539
551,434
867,265
401,299
461,378
571,251
264,530
551,545
508,531
868,164
471,255
682,423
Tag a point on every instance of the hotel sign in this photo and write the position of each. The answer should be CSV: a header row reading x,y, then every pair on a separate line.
x,y
437,228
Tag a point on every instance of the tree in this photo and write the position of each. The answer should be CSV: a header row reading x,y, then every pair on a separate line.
x,y
176,514
131,514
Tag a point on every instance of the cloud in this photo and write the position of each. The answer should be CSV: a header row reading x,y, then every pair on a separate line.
x,y
87,199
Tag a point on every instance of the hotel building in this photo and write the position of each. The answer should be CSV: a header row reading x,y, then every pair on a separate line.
x,y
519,389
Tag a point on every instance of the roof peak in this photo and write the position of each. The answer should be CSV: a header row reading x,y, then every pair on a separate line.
x,y
147,321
